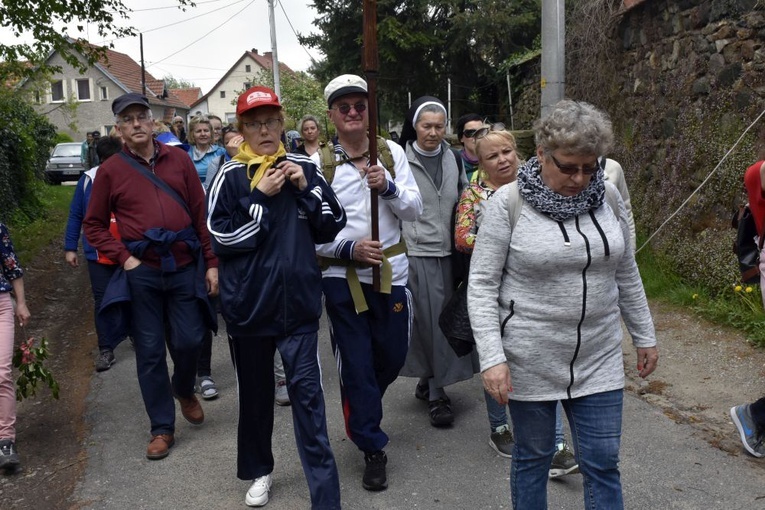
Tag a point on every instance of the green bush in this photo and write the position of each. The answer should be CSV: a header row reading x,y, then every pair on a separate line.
x,y
62,138
25,142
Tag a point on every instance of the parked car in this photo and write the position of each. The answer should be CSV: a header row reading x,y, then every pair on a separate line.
x,y
64,164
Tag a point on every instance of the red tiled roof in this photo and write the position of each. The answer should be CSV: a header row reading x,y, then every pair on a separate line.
x,y
265,61
188,96
127,72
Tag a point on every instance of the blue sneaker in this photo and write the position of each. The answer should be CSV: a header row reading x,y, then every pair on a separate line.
x,y
747,428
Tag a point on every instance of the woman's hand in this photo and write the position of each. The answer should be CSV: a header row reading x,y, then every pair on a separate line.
x,y
294,173
22,314
648,358
496,381
272,182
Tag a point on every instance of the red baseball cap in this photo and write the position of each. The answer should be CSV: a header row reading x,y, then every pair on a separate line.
x,y
255,97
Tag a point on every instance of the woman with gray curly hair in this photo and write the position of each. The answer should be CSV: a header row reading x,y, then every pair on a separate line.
x,y
552,271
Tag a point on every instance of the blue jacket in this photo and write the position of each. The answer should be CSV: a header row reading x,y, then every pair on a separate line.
x,y
212,154
115,306
269,279
77,209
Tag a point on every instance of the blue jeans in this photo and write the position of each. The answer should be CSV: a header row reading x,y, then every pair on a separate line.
x,y
496,412
560,438
155,295
100,274
596,428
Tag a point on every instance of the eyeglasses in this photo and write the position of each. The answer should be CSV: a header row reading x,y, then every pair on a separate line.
x,y
271,124
573,169
481,132
228,128
345,109
130,119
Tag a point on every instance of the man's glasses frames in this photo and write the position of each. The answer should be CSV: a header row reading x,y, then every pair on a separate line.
x,y
345,109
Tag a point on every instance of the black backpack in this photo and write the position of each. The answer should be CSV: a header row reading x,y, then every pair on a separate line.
x,y
746,246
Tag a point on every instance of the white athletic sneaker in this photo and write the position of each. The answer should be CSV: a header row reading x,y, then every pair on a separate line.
x,y
257,495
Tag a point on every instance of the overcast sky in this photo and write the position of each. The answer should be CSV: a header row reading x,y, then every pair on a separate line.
x,y
202,43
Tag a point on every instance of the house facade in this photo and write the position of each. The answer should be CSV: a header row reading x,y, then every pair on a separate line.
x,y
77,103
221,99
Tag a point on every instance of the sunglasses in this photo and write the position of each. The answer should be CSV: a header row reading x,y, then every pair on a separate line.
x,y
345,109
481,132
573,169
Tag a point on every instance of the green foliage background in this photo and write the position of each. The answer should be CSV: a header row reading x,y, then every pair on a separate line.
x,y
25,142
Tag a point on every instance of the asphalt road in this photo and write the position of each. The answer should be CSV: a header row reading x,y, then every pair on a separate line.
x,y
664,465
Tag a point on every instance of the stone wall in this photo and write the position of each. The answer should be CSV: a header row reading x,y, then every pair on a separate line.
x,y
681,80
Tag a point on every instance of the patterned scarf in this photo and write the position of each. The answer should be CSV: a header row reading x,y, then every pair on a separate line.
x,y
556,206
247,156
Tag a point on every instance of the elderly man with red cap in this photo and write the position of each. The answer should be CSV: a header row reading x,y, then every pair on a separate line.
x,y
267,208
167,266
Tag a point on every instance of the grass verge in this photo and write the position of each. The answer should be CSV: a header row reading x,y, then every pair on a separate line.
x,y
740,307
30,236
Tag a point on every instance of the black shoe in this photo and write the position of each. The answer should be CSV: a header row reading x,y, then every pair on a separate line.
x,y
9,457
375,478
441,414
422,391
105,360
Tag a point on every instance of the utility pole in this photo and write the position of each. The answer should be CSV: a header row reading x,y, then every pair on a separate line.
x,y
274,53
553,80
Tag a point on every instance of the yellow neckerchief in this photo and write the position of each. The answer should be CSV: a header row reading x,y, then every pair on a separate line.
x,y
247,156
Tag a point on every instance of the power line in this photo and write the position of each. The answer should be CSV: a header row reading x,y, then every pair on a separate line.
x,y
195,17
313,60
173,6
208,33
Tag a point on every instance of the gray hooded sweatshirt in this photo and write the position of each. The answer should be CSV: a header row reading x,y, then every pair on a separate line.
x,y
546,298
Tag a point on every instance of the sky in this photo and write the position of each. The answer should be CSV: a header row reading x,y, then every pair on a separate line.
x,y
202,43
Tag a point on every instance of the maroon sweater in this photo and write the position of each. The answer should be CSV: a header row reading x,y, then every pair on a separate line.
x,y
139,205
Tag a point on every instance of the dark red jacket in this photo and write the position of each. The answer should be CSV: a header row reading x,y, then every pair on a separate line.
x,y
139,206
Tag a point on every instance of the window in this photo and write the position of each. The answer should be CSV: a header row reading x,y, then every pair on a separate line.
x,y
247,85
57,91
104,93
38,99
223,94
247,68
83,89
230,118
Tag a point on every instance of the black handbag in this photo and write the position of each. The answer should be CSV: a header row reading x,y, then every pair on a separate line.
x,y
745,247
454,322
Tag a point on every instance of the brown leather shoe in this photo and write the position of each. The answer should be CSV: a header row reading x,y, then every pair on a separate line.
x,y
191,409
159,446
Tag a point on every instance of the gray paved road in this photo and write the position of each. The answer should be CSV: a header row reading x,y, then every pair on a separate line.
x,y
664,465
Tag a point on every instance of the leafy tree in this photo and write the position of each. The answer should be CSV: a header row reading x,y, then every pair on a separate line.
x,y
300,95
25,140
423,43
172,82
44,19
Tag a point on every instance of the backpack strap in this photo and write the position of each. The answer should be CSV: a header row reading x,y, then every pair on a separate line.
x,y
612,199
514,204
159,183
329,162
